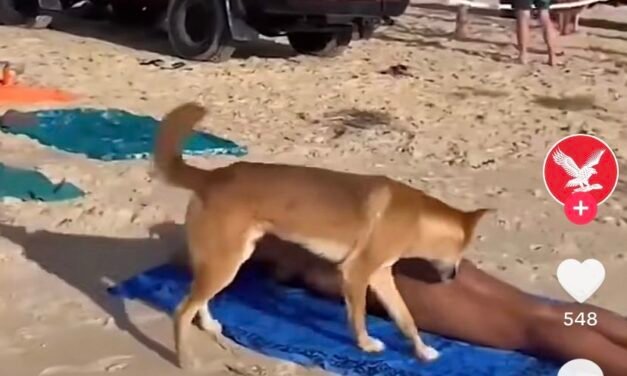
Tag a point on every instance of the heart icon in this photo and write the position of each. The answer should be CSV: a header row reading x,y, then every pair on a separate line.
x,y
581,279
580,367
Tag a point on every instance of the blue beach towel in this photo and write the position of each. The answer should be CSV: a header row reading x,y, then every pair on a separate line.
x,y
107,134
29,185
291,324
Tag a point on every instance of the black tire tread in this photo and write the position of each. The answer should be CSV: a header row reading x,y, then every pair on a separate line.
x,y
218,51
11,15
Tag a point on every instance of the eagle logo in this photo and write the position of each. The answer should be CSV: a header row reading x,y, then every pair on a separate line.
x,y
580,175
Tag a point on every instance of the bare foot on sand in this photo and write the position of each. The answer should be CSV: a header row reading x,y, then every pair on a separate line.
x,y
523,58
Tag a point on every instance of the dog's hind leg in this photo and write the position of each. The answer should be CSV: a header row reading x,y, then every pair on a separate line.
x,y
184,315
215,264
382,283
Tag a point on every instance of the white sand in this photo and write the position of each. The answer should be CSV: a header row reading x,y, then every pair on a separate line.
x,y
468,126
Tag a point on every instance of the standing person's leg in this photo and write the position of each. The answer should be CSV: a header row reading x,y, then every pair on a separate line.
x,y
522,34
523,10
461,22
576,20
548,30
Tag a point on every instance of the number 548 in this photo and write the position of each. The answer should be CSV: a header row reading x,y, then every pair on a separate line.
x,y
580,318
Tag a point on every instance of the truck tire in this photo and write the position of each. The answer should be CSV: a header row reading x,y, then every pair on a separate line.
x,y
17,12
323,44
199,30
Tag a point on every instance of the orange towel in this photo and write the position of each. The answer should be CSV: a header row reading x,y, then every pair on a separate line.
x,y
12,93
17,94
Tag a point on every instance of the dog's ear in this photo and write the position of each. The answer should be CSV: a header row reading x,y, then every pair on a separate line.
x,y
476,215
471,219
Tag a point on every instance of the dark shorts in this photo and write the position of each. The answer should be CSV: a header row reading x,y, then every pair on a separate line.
x,y
527,4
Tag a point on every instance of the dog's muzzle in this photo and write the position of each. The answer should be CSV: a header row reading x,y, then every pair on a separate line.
x,y
446,270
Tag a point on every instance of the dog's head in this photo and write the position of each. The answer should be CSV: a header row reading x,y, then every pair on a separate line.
x,y
451,248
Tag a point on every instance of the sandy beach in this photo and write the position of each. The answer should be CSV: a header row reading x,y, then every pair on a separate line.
x,y
466,124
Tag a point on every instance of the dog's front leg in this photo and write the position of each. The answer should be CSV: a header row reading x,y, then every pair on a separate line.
x,y
355,275
382,283
359,266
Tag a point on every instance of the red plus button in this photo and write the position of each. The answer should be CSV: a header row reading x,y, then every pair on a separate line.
x,y
580,208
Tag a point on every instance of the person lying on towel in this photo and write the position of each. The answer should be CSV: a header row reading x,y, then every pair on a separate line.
x,y
474,307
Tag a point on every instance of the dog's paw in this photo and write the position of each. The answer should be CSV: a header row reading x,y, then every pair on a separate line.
x,y
211,326
427,353
188,362
371,345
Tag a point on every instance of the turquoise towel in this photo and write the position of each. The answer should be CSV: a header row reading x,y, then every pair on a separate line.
x,y
106,134
32,185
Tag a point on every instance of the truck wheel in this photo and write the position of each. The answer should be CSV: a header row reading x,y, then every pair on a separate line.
x,y
324,44
198,30
17,12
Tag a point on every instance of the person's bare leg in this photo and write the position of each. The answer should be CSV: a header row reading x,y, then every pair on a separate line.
x,y
550,338
499,315
576,21
562,17
548,32
609,324
495,313
461,23
522,34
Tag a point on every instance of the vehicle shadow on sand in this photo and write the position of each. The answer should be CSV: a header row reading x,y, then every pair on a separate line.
x,y
145,38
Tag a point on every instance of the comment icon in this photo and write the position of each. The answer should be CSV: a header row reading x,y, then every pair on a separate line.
x,y
580,367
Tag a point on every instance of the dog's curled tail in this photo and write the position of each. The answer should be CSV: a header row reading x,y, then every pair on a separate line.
x,y
175,127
